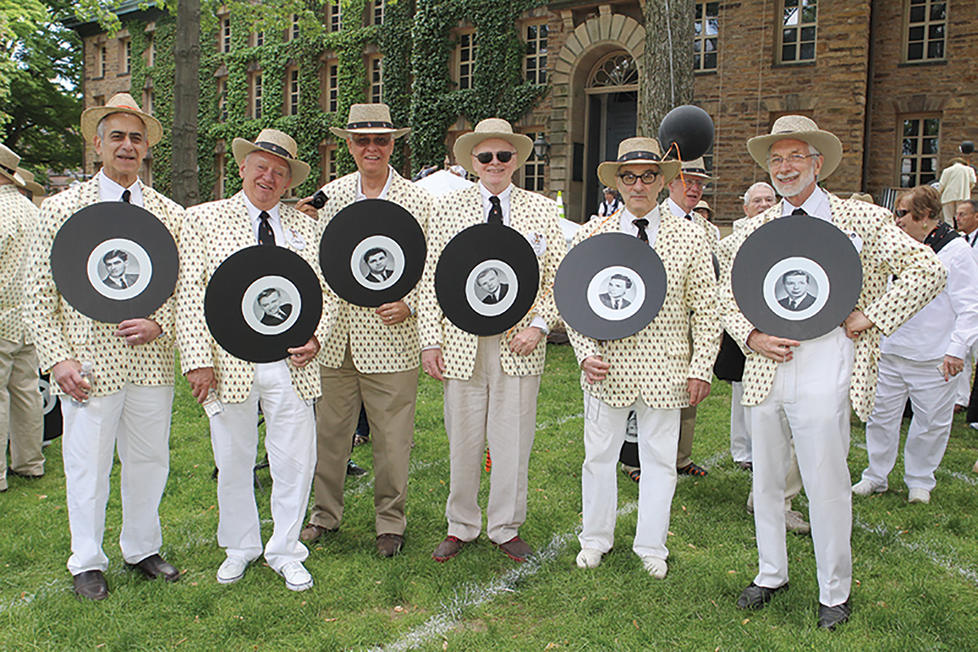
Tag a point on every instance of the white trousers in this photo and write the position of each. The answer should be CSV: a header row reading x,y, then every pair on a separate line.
x,y
739,436
962,381
290,441
933,409
136,418
808,404
658,438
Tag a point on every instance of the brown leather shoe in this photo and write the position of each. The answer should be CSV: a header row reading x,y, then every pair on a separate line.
x,y
389,545
91,585
155,566
516,549
448,548
312,532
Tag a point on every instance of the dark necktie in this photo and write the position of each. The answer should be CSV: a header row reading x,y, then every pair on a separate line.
x,y
689,217
496,212
265,234
126,195
641,224
799,211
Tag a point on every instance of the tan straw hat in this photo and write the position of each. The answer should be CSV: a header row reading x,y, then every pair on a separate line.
x,y
637,150
8,165
277,143
369,119
703,204
119,103
31,186
798,127
697,169
491,128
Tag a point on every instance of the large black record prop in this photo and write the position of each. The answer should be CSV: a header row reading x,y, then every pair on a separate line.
x,y
598,269
262,301
690,129
808,254
51,406
487,279
113,261
378,232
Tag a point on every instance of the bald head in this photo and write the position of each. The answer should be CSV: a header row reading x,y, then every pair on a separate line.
x,y
758,198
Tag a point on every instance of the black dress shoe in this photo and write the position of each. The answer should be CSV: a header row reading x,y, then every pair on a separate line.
x,y
91,585
755,597
829,617
353,469
155,566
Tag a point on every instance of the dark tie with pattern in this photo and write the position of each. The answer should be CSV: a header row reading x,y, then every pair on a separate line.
x,y
799,211
689,217
265,234
496,212
126,195
641,224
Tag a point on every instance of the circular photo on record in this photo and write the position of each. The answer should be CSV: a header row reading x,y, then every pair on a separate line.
x,y
271,305
119,269
796,288
616,293
377,262
491,287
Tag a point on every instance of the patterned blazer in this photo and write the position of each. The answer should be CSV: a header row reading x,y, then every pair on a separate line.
x,y
533,215
211,233
374,346
709,229
18,222
62,333
656,362
886,250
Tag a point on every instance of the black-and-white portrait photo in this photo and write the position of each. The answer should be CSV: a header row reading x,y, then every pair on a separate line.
x,y
121,272
377,265
377,262
272,307
490,286
615,293
798,288
614,297
119,269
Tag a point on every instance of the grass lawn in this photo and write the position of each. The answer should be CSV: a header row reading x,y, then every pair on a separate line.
x,y
915,566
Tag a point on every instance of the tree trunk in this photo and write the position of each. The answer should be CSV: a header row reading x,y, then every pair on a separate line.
x,y
186,99
666,71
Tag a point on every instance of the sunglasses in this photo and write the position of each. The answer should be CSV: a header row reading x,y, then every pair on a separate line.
x,y
647,177
486,157
900,212
380,141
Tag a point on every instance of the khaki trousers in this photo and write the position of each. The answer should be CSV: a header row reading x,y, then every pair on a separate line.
x,y
687,423
501,409
389,401
21,411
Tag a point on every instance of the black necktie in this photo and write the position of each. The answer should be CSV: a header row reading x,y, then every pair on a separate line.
x,y
126,195
641,223
265,234
799,211
496,212
689,217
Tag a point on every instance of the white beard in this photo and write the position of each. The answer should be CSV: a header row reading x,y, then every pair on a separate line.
x,y
805,179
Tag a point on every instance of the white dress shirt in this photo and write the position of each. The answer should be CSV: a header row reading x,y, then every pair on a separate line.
x,y
274,220
652,230
109,190
383,193
817,205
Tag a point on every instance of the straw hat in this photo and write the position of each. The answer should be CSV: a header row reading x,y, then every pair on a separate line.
x,y
31,186
863,197
277,143
8,165
369,119
798,127
697,169
491,128
637,150
702,204
119,103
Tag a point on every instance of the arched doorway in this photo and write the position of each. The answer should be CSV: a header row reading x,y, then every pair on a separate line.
x,y
612,110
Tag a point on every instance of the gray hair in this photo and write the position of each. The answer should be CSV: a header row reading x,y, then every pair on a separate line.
x,y
759,184
100,129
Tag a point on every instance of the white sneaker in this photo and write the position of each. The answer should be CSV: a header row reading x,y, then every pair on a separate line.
x,y
918,495
589,558
866,487
974,425
232,570
795,522
656,567
297,578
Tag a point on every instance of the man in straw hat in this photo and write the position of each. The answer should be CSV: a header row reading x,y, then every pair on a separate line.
x,y
491,383
21,410
956,183
30,188
371,357
801,391
126,398
232,387
656,372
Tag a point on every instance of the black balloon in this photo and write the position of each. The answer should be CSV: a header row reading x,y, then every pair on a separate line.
x,y
688,129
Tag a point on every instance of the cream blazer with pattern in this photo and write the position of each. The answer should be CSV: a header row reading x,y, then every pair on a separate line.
x,y
18,222
886,250
211,233
374,346
63,333
532,215
683,339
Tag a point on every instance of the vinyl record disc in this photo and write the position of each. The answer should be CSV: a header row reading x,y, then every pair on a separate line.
x,y
262,301
797,277
51,405
487,279
610,286
114,261
372,252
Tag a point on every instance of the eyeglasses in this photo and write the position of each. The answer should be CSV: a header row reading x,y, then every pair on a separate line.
x,y
900,212
647,177
379,141
794,159
486,157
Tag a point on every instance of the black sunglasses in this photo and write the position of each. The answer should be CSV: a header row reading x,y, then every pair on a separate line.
x,y
900,212
486,157
379,141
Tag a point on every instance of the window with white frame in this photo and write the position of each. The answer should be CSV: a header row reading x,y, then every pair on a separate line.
x,y
376,79
799,21
918,150
292,91
706,30
465,52
533,169
926,30
225,34
255,93
535,61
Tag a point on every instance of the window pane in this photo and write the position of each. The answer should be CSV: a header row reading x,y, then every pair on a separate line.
x,y
917,14
929,146
807,51
808,14
911,128
789,35
931,126
909,146
938,11
935,50
710,61
915,51
808,33
713,26
788,53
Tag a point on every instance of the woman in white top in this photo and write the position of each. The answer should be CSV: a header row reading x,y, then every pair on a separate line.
x,y
610,204
919,358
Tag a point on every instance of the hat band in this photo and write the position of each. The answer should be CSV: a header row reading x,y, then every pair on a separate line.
x,y
369,125
274,149
639,154
10,171
695,171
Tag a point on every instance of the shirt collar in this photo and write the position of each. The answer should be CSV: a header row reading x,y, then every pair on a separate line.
x,y
254,211
383,193
109,190
817,205
503,196
675,208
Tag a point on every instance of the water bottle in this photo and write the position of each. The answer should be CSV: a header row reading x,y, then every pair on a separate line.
x,y
88,375
212,404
